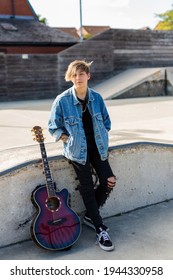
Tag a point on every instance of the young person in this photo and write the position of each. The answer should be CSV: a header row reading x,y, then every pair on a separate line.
x,y
80,119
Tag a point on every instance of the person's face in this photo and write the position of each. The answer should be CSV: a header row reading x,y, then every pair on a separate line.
x,y
80,79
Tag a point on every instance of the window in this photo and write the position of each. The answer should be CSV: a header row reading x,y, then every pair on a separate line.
x,y
8,26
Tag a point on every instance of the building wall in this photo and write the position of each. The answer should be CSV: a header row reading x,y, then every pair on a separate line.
x,y
24,77
115,50
21,8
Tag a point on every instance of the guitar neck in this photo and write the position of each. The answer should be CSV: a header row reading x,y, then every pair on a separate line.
x,y
49,181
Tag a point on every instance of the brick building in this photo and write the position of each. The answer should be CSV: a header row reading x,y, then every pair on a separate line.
x,y
22,32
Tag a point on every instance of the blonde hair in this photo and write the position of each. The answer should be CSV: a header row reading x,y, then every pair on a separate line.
x,y
77,65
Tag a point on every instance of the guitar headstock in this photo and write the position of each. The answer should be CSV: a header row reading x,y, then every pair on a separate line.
x,y
38,133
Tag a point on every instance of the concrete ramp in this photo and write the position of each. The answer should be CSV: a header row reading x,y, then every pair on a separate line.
x,y
144,177
123,82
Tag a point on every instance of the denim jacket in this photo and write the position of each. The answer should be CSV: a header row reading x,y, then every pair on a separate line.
x,y
66,117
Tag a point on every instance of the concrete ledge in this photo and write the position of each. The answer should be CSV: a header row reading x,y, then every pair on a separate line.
x,y
144,176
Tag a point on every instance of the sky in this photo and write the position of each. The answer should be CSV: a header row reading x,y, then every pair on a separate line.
x,y
130,14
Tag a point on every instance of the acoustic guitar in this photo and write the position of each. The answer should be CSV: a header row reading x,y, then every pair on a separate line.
x,y
55,225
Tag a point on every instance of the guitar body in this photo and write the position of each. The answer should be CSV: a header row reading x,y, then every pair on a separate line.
x,y
55,226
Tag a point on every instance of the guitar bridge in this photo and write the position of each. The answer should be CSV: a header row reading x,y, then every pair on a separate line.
x,y
56,222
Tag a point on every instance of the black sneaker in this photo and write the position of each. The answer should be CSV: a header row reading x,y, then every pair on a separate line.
x,y
87,221
104,241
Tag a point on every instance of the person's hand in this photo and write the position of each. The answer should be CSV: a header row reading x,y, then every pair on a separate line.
x,y
111,182
64,138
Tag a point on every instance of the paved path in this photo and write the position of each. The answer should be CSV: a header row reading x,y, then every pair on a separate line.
x,y
137,119
133,120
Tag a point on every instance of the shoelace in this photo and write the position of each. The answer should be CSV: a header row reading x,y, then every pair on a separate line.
x,y
103,234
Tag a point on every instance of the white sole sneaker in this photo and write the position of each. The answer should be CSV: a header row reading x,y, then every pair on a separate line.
x,y
104,241
110,248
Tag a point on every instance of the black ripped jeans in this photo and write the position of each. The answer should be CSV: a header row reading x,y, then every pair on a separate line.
x,y
93,199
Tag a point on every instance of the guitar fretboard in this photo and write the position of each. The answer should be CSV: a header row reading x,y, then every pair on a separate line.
x,y
49,181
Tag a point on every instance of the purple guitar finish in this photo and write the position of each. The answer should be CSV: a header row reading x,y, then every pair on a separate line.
x,y
55,226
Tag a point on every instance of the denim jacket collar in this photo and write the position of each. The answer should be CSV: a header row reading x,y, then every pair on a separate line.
x,y
76,101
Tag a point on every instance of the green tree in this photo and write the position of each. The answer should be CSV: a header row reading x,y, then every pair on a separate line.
x,y
166,21
42,19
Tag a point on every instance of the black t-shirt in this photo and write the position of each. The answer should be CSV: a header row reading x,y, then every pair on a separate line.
x,y
87,121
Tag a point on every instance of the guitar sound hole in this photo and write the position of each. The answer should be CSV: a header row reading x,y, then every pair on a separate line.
x,y
52,203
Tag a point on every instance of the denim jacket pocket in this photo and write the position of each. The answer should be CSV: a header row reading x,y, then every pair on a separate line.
x,y
73,144
100,123
71,124
100,130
